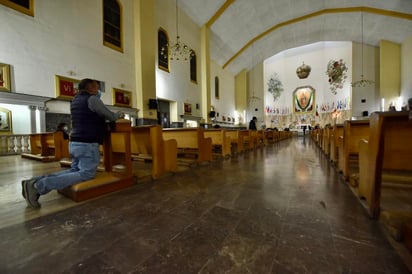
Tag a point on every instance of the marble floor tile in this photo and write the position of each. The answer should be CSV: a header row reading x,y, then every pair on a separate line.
x,y
279,209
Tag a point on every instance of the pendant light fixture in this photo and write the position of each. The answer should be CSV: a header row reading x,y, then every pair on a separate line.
x,y
179,50
252,98
362,82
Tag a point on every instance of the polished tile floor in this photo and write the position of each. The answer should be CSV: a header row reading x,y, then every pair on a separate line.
x,y
281,209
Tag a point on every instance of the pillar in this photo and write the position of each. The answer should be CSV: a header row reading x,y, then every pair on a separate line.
x,y
205,72
390,72
42,118
241,95
145,59
33,124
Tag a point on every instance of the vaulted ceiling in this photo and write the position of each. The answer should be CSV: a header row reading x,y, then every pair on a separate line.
x,y
246,32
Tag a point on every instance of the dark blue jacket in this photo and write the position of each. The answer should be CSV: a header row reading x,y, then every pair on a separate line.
x,y
87,125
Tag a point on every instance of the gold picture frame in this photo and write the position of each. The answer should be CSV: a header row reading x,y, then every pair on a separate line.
x,y
304,99
122,98
5,121
5,84
66,88
26,7
188,108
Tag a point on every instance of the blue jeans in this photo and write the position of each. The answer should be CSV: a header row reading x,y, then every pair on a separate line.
x,y
85,160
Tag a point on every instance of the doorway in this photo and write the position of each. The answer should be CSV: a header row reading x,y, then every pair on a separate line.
x,y
163,113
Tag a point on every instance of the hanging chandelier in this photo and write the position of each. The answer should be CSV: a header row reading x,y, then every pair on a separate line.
x,y
362,82
179,50
253,98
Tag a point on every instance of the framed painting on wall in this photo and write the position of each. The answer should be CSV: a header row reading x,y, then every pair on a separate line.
x,y
66,88
5,121
5,77
188,108
303,99
122,98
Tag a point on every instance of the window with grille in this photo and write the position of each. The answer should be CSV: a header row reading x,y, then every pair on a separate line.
x,y
193,68
112,24
163,49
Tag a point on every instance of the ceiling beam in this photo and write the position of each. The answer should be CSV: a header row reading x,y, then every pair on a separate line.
x,y
219,12
382,12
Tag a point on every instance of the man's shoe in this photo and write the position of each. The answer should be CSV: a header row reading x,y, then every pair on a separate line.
x,y
23,193
22,186
30,193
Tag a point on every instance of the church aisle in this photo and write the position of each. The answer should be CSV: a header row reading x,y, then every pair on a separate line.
x,y
280,209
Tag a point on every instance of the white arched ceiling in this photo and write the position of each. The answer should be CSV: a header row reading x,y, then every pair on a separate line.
x,y
244,20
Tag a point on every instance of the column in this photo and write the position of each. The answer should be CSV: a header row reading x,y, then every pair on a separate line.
x,y
241,95
205,72
145,61
42,118
33,126
390,72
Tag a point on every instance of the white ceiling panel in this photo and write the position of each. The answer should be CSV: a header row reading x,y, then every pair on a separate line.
x,y
245,19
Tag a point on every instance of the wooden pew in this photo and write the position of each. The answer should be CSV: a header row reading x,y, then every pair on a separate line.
x,y
272,136
283,135
335,142
220,139
236,140
47,147
327,132
313,134
249,138
348,151
385,156
118,167
147,143
260,138
320,137
191,141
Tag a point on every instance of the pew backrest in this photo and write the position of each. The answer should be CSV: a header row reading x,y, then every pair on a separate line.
x,y
148,140
191,138
236,138
388,149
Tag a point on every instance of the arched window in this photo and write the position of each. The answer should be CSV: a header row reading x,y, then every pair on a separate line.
x,y
24,6
193,68
217,87
112,24
163,49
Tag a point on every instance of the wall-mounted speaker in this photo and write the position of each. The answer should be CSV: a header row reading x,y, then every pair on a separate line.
x,y
212,114
152,104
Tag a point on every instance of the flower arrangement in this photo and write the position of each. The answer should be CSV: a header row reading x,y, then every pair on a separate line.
x,y
336,71
275,86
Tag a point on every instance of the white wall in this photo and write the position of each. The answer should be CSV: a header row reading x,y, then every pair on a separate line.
x,y
176,84
225,105
369,93
20,118
64,36
317,56
406,70
255,95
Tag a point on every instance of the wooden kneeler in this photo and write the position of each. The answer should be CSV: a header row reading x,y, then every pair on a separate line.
x,y
118,167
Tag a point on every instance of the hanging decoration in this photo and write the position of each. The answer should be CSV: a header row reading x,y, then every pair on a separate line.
x,y
337,73
178,51
275,86
303,71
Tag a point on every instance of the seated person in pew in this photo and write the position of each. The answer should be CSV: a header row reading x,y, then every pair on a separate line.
x,y
88,117
64,129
